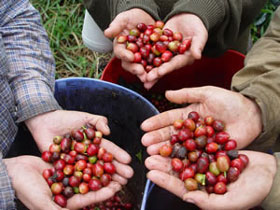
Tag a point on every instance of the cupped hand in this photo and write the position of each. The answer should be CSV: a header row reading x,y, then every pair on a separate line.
x,y
121,25
240,114
192,28
45,126
249,190
29,185
34,192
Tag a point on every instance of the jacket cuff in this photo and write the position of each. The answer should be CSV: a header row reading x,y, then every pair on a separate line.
x,y
34,97
210,12
265,140
147,5
272,201
7,194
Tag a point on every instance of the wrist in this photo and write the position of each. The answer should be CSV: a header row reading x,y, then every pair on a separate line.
x,y
35,122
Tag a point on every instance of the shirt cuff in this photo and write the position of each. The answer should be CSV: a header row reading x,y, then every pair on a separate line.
x,y
272,201
7,194
147,5
34,97
210,12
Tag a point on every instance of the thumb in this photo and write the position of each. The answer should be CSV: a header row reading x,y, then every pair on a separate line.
x,y
197,46
197,197
117,26
187,95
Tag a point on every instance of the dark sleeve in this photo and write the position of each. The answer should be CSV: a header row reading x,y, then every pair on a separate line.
x,y
225,20
104,11
260,81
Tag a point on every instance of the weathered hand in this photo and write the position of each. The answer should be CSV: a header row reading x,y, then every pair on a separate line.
x,y
249,190
121,25
192,28
240,114
45,126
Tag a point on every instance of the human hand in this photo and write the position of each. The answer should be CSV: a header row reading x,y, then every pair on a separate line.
x,y
249,190
29,185
192,28
33,191
241,115
45,126
121,25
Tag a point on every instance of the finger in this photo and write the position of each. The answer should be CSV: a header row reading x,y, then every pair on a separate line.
x,y
154,148
122,53
79,201
188,95
157,162
118,153
157,136
163,119
211,201
176,62
149,85
168,182
142,77
119,179
153,75
134,68
123,170
117,26
100,122
197,45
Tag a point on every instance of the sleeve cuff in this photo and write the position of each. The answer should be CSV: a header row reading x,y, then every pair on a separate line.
x,y
272,200
147,5
210,12
7,194
34,97
268,136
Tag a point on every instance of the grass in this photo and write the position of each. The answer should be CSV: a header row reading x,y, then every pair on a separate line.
x,y
63,20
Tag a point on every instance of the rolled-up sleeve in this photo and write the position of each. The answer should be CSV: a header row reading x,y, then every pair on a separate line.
x,y
31,64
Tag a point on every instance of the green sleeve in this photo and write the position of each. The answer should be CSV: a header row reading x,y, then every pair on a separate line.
x,y
225,20
260,80
104,11
272,201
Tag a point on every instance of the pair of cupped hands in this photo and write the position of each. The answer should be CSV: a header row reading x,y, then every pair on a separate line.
x,y
243,122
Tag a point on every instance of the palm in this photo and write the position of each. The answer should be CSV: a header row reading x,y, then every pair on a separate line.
x,y
241,115
44,127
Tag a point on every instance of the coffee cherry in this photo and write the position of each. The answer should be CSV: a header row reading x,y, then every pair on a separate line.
x,y
191,184
94,184
185,134
190,144
223,163
202,164
190,124
186,173
232,174
218,125
68,192
220,188
194,116
177,165
56,188
121,39
47,156
244,159
83,188
165,150
109,168
60,200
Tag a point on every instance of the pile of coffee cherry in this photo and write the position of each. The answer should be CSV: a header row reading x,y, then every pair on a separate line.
x,y
152,45
203,154
114,203
79,164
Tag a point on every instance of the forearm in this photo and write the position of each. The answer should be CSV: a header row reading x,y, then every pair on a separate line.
x,y
7,194
226,21
30,61
259,80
